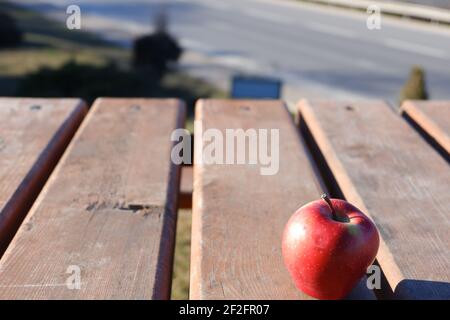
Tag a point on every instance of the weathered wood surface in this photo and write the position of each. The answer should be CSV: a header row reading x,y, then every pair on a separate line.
x,y
108,209
387,170
239,215
33,135
433,117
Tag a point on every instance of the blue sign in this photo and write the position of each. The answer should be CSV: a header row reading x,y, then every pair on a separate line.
x,y
246,87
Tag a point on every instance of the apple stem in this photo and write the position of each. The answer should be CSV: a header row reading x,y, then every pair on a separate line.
x,y
328,201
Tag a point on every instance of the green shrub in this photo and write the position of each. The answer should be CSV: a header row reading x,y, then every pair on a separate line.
x,y
415,86
90,82
86,81
10,34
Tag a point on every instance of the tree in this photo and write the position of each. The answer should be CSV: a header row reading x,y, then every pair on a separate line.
x,y
155,51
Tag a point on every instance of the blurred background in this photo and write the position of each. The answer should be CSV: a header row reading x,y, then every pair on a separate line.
x,y
300,48
193,49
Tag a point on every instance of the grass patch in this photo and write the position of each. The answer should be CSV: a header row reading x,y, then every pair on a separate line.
x,y
180,280
33,22
49,45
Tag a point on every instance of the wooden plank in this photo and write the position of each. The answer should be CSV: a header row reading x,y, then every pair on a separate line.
x,y
33,135
433,119
109,209
239,215
387,170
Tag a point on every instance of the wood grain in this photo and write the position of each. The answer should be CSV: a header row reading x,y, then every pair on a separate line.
x,y
386,169
33,135
109,209
239,215
433,117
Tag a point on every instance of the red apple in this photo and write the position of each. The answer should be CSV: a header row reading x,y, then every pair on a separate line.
x,y
328,246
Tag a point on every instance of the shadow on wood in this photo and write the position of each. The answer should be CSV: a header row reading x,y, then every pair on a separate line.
x,y
423,290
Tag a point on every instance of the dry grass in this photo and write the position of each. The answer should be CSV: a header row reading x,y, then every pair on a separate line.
x,y
49,44
19,62
180,280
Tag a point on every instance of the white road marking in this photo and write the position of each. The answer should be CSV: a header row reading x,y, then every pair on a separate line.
x,y
268,16
367,64
222,26
194,45
372,66
220,5
241,63
332,30
414,48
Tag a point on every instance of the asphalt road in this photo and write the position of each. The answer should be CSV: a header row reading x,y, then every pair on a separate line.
x,y
319,52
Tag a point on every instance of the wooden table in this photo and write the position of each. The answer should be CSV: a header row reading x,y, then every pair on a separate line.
x,y
97,198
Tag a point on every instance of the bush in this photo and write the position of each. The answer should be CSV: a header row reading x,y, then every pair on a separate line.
x,y
155,51
10,34
90,82
87,82
415,87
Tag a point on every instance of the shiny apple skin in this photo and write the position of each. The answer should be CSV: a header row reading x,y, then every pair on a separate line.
x,y
326,258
